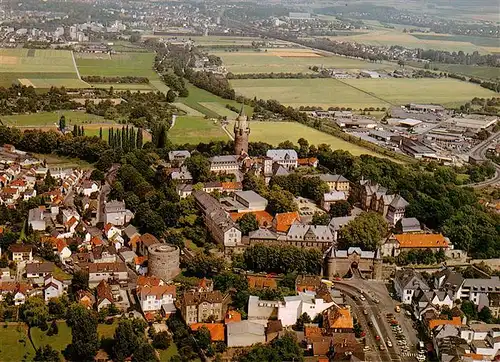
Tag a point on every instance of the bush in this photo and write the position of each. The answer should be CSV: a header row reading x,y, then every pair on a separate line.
x,y
161,340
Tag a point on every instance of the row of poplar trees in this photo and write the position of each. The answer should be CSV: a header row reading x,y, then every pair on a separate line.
x,y
125,138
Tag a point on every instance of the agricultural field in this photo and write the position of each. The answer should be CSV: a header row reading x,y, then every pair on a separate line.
x,y
198,96
117,65
307,92
289,61
468,70
277,132
188,129
448,92
46,83
159,85
220,109
51,119
388,37
360,93
189,111
43,67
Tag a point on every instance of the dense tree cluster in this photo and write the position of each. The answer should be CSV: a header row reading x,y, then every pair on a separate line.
x,y
211,82
365,231
116,80
284,348
282,259
186,344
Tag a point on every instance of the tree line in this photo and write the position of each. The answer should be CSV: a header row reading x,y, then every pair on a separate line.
x,y
116,80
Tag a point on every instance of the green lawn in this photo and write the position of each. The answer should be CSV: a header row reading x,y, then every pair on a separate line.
x,y
58,341
122,64
302,92
194,130
166,354
277,61
448,92
189,111
159,85
14,344
51,118
197,96
277,132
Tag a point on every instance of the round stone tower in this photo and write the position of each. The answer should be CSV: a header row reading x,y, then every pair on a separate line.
x,y
241,133
163,261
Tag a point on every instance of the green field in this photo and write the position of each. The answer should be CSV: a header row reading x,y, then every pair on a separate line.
x,y
277,132
14,343
447,92
468,70
51,118
219,108
194,130
303,92
289,60
122,64
198,96
189,111
42,65
360,93
46,83
58,341
159,85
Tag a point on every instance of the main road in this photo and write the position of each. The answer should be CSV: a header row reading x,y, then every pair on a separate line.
x,y
479,152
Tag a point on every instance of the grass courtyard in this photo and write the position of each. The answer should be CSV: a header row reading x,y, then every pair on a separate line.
x,y
14,343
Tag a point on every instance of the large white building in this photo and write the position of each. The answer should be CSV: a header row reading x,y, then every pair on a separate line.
x,y
294,306
115,213
286,158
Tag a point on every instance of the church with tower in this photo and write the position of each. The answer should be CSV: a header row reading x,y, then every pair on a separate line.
x,y
241,133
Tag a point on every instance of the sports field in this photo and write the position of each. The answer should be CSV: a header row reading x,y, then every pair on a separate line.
x,y
51,119
42,67
117,65
360,93
188,129
289,60
303,92
277,132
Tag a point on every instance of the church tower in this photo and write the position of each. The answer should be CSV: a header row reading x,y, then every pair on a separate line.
x,y
241,132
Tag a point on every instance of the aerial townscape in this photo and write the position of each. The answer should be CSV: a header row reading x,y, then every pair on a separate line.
x,y
250,181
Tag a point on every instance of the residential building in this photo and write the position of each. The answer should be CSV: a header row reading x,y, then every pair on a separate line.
x,y
410,225
199,307
423,301
251,200
245,333
338,319
183,176
482,292
449,281
337,223
144,242
21,252
334,182
397,243
107,271
331,198
53,288
224,164
104,295
115,213
88,187
37,270
286,158
220,225
20,291
407,282
85,298
177,158
157,298
261,282
374,197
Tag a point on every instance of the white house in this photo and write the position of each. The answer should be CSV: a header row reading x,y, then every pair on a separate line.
x,y
156,298
224,164
286,158
21,252
88,187
115,213
53,288
36,219
407,283
294,306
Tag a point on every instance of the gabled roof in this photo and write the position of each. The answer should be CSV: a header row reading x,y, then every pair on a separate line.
x,y
410,279
262,233
422,241
263,217
104,292
284,220
339,318
157,291
399,202
261,282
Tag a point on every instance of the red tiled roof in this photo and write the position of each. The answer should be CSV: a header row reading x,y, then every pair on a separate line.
x,y
261,282
456,321
263,217
232,316
216,330
284,220
232,186
421,241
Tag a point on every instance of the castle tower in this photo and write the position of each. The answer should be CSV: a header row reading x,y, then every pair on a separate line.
x,y
241,132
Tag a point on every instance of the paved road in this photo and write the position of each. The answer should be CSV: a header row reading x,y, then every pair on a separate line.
x,y
377,315
479,152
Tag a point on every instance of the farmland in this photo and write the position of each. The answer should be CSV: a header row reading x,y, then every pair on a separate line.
x,y
303,92
360,93
289,60
42,67
51,118
117,65
188,129
277,132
